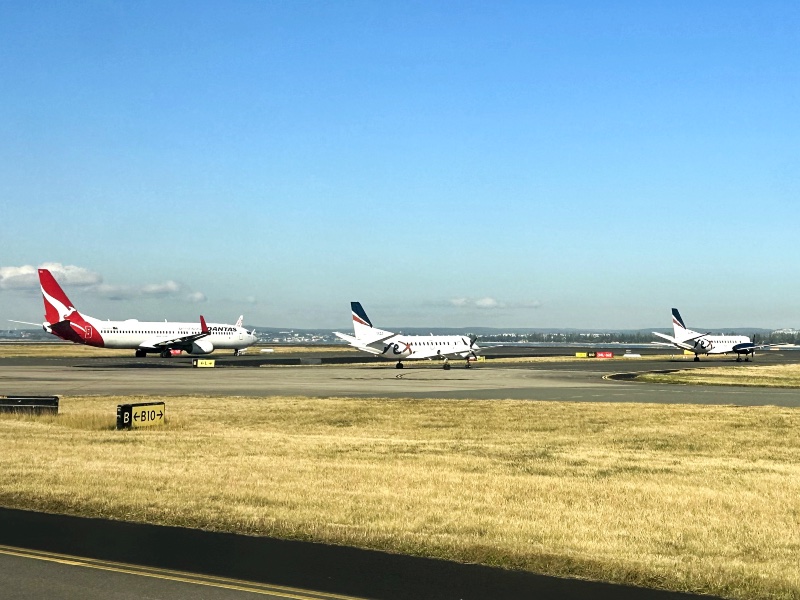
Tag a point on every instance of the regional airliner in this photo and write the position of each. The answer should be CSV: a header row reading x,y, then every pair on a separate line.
x,y
706,343
412,347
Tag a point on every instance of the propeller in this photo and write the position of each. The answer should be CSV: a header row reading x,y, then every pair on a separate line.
x,y
472,339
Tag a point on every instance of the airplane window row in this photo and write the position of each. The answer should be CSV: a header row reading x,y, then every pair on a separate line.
x,y
138,331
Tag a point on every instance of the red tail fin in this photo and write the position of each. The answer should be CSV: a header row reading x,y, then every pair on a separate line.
x,y
57,307
203,326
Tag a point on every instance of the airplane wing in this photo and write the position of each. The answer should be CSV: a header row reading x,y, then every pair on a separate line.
x,y
449,351
178,340
673,342
438,354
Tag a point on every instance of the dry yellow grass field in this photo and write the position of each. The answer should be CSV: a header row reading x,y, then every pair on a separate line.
x,y
751,375
695,498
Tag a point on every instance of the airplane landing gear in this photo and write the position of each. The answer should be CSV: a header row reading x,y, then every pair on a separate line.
x,y
166,353
141,354
468,366
738,358
446,365
237,352
696,358
399,365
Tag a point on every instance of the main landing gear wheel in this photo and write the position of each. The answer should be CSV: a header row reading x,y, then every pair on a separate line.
x,y
399,365
166,353
141,354
446,366
468,366
696,358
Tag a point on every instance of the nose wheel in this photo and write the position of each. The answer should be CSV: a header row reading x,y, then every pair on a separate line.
x,y
399,365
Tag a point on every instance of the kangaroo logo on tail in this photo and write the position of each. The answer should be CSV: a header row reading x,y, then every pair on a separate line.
x,y
57,306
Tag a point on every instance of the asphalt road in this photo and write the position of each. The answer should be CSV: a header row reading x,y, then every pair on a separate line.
x,y
33,575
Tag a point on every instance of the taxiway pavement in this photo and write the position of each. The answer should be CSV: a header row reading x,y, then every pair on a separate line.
x,y
581,380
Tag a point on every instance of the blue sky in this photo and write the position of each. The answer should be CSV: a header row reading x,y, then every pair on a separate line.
x,y
529,164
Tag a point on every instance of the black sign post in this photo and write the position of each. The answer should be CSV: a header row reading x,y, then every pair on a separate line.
x,y
36,405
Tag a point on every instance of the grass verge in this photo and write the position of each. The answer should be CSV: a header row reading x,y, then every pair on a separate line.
x,y
693,498
786,376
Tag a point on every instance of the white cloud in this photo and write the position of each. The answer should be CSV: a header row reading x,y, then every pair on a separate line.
x,y
166,289
160,289
196,297
27,276
488,303
115,292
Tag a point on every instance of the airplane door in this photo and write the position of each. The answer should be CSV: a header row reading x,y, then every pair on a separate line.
x,y
88,333
241,335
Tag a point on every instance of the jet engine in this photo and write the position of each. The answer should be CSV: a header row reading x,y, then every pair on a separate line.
x,y
201,347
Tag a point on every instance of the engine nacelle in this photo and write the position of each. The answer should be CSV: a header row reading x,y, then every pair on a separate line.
x,y
201,347
704,344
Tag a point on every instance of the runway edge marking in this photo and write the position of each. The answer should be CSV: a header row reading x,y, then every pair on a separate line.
x,y
179,576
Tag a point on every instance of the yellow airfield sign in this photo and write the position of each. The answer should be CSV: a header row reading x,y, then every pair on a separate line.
x,y
144,414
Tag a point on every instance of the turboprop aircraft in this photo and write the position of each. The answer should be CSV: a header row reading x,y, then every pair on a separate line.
x,y
65,322
396,346
706,343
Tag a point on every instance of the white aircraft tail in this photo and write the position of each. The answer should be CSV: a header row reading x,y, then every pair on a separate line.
x,y
362,326
681,332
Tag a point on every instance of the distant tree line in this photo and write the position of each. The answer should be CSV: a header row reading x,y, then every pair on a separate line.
x,y
628,337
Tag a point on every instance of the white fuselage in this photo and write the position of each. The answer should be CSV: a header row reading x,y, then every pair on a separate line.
x,y
133,334
717,344
415,347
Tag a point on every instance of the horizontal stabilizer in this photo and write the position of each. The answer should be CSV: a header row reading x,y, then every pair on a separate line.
x,y
24,323
361,344
347,338
673,341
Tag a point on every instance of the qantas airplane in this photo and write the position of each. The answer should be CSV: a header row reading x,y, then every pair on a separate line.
x,y
412,347
705,343
64,321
